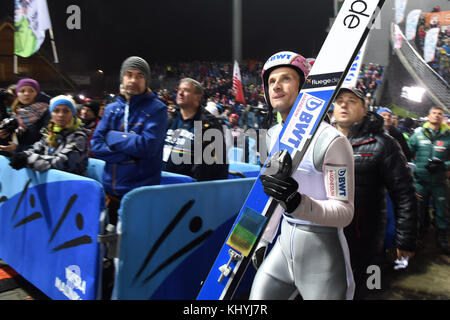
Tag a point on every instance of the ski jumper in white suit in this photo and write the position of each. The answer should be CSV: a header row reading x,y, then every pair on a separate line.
x,y
311,255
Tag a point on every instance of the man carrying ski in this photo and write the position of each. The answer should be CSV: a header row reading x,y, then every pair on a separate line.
x,y
310,256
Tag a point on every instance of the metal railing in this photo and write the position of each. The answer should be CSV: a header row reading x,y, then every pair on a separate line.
x,y
436,87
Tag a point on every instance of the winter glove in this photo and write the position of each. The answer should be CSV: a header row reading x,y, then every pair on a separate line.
x,y
18,160
278,183
435,165
260,253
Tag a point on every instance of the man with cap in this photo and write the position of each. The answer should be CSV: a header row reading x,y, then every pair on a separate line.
x,y
310,257
130,136
379,165
390,129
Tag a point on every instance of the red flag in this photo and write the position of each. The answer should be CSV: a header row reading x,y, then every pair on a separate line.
x,y
237,90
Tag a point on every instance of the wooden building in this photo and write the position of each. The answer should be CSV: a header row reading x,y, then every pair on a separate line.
x,y
38,66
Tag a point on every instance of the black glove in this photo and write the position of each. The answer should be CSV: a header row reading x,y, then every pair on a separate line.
x,y
278,183
435,165
18,160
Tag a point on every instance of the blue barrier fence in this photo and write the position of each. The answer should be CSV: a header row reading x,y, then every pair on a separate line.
x,y
48,233
171,236
49,223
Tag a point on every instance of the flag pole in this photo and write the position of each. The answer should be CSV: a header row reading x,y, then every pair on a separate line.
x,y
16,71
52,40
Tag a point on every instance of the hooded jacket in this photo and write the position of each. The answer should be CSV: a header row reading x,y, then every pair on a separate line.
x,y
379,165
133,159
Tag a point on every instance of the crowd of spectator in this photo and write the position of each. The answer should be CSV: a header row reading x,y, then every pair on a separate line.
x,y
370,77
441,62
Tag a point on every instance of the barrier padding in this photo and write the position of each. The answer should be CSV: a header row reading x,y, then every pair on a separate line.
x,y
96,166
236,154
171,235
49,224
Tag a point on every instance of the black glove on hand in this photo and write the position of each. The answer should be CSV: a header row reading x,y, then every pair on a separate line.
x,y
435,165
18,160
280,185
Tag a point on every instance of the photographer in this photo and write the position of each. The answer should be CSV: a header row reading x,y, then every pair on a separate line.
x,y
27,118
6,100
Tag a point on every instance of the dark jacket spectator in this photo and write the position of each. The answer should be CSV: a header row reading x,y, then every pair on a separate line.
x,y
378,164
199,171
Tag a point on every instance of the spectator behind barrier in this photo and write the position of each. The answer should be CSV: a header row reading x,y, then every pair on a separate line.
x,y
28,115
64,145
130,136
180,154
89,115
390,129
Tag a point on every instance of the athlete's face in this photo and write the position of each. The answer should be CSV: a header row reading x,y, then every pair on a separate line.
x,y
283,86
348,109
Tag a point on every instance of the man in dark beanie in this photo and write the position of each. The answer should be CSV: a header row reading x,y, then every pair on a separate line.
x,y
89,116
130,137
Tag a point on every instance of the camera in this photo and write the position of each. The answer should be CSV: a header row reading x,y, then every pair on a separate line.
x,y
9,124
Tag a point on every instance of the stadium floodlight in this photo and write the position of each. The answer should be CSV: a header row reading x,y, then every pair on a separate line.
x,y
413,93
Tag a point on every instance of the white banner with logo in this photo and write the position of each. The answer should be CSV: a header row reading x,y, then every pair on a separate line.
x,y
429,49
411,24
400,6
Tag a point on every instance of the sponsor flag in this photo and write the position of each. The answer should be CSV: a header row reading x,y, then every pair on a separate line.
x,y
411,24
237,90
429,49
31,20
400,6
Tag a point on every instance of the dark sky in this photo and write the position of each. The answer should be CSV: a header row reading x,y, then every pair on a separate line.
x,y
181,30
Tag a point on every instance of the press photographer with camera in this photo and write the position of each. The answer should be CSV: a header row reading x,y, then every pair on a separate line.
x,y
22,128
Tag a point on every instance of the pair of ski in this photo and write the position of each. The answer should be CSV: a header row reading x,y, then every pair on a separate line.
x,y
335,59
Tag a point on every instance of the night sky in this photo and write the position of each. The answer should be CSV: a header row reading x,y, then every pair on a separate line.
x,y
181,31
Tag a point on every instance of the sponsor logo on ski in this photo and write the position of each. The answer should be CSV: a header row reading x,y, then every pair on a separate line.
x,y
323,80
306,114
357,8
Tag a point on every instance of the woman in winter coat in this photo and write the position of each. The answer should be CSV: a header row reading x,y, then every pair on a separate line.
x,y
64,145
28,116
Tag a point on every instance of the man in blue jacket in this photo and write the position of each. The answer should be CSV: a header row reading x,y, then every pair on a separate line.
x,y
130,136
